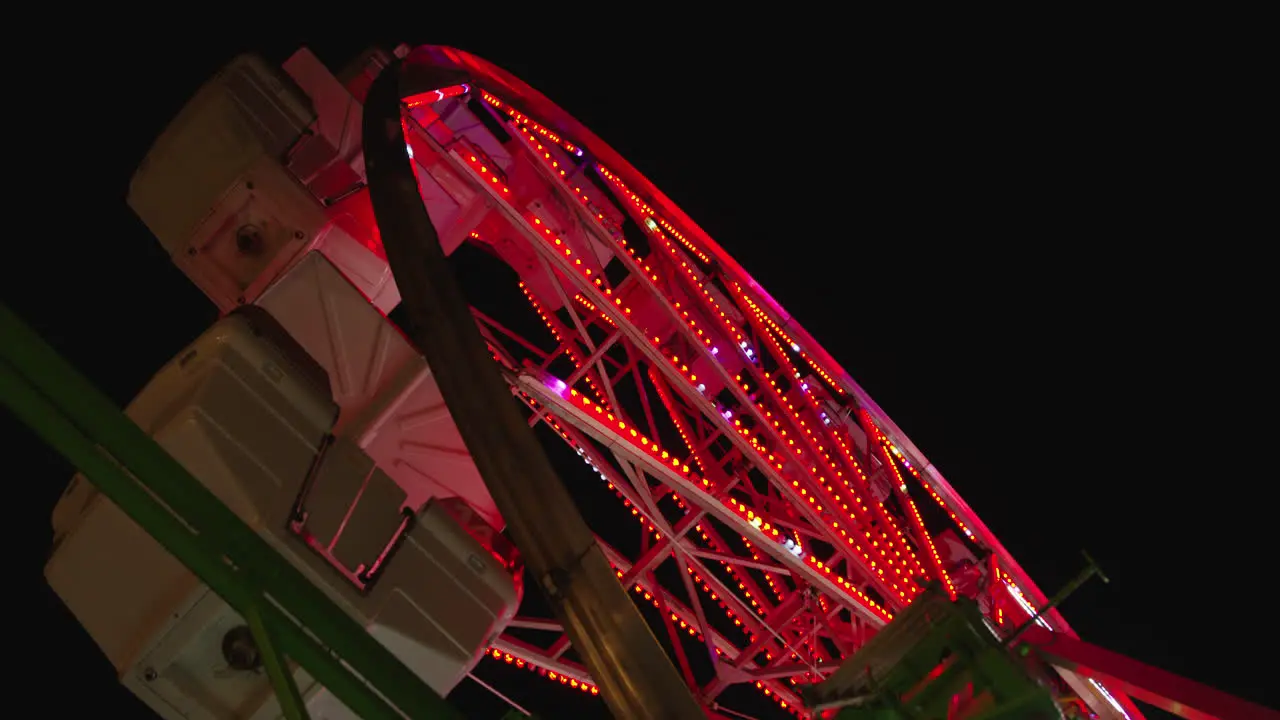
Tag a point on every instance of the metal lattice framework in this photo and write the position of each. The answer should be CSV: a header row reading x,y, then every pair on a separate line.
x,y
796,516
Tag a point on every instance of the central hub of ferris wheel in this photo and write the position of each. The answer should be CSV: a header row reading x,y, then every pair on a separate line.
x,y
770,519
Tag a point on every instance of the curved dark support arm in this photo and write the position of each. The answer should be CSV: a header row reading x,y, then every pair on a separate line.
x,y
1178,695
635,677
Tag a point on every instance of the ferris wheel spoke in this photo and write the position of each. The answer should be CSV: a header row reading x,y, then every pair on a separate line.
x,y
734,604
695,600
488,324
591,370
582,334
723,646
772,631
578,410
734,559
559,647
788,670
842,637
700,573
684,557
661,549
677,642
596,358
642,391
747,586
543,660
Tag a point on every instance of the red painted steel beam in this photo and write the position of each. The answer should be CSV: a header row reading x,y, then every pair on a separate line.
x,y
1171,693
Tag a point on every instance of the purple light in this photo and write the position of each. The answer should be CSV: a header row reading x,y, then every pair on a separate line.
x,y
557,384
728,414
578,152
715,351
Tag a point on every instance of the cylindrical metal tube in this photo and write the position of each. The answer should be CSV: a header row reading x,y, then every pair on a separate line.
x,y
635,677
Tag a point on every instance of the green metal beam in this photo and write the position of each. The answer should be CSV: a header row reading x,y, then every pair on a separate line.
x,y
277,666
189,548
75,418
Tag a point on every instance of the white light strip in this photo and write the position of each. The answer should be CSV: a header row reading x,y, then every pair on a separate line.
x,y
1114,703
1017,595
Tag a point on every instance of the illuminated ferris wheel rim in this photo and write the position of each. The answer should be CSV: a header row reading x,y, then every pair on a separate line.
x,y
454,72
506,87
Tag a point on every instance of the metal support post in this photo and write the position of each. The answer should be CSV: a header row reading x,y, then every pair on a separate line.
x,y
1089,571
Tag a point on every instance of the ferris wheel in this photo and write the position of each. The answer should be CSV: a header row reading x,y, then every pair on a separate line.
x,y
493,334
777,516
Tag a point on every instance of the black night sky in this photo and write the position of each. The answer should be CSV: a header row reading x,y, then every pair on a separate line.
x,y
1028,253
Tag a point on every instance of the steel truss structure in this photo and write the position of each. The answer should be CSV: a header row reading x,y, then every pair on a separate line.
x,y
782,518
